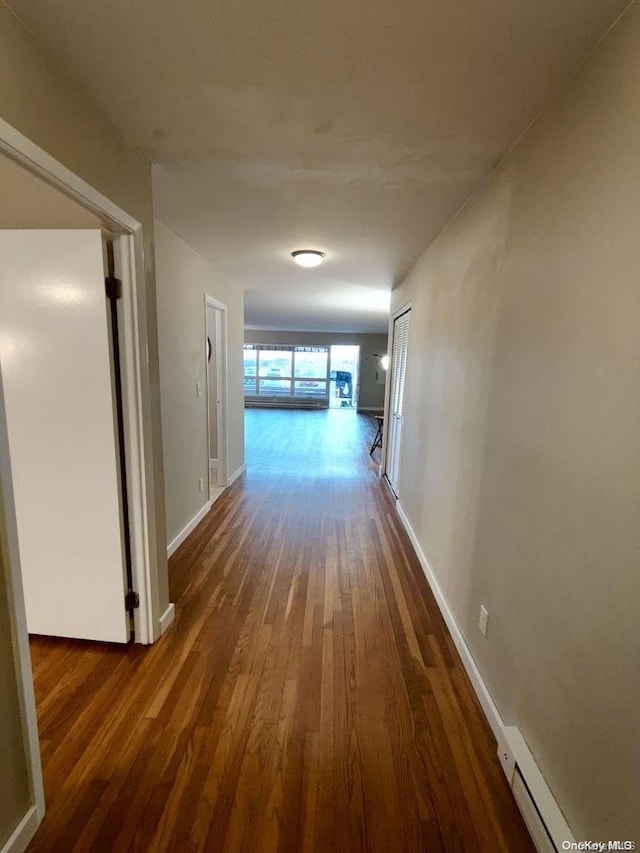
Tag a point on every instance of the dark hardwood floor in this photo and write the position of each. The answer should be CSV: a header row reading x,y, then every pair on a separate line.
x,y
307,698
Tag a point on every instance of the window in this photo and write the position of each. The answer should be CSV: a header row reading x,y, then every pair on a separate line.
x,y
274,372
250,369
310,370
311,362
293,372
275,362
310,388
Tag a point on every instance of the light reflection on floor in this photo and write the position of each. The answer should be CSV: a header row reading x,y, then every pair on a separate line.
x,y
307,444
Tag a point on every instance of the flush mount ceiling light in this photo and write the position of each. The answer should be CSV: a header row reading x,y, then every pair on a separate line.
x,y
308,257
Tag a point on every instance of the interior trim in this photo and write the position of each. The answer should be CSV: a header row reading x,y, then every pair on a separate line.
x,y
21,836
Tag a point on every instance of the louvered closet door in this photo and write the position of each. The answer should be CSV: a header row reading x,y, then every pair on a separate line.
x,y
396,408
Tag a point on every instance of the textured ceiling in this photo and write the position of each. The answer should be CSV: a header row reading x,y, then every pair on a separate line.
x,y
353,126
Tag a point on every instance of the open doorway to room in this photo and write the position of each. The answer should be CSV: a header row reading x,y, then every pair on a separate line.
x,y
75,479
68,363
344,377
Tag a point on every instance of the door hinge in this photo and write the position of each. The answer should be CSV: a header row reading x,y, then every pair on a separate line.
x,y
131,601
113,287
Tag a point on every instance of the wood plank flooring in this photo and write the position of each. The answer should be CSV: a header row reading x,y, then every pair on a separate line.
x,y
307,698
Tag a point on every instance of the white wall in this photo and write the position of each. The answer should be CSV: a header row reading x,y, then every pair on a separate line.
x,y
183,277
37,99
521,455
28,202
371,396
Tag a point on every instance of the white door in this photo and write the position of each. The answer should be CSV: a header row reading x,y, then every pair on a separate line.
x,y
216,394
396,402
56,371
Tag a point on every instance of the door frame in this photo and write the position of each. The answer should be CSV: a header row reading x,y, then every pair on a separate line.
x,y
223,426
355,391
382,470
130,268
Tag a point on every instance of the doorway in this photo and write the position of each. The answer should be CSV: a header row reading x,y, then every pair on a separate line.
x,y
86,215
216,355
344,370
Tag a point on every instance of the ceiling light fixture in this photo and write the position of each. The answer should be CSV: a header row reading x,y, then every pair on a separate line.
x,y
308,257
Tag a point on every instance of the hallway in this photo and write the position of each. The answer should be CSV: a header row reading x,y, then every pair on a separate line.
x,y
308,696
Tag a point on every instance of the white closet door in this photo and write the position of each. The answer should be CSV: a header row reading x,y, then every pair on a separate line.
x,y
396,407
216,395
56,370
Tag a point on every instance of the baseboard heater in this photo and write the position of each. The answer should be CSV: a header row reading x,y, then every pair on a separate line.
x,y
535,824
545,822
286,404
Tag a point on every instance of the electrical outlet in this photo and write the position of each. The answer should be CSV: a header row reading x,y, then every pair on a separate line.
x,y
506,757
483,621
199,392
201,484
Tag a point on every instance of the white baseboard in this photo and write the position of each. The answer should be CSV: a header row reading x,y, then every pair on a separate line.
x,y
237,473
215,493
167,618
488,705
19,839
175,543
513,750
